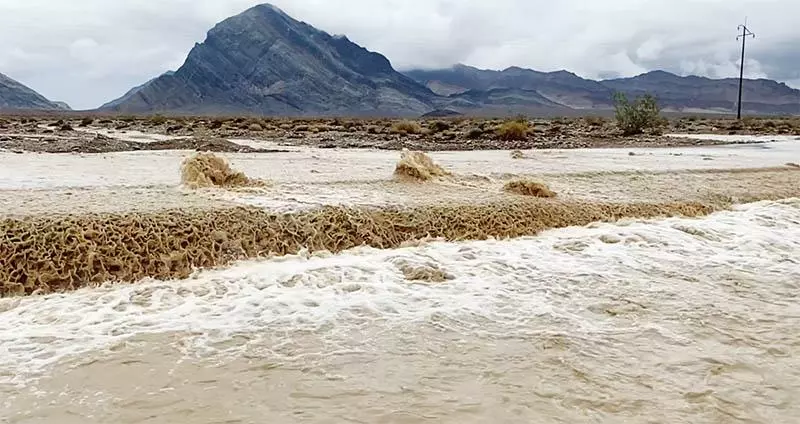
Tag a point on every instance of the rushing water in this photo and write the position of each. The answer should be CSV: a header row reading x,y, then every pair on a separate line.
x,y
670,321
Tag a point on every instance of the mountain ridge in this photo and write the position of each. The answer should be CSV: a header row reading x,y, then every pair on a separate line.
x,y
16,96
674,92
264,62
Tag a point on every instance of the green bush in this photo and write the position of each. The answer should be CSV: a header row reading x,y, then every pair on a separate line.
x,y
634,118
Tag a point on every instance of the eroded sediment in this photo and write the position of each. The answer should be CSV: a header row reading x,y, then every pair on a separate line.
x,y
50,254
527,187
204,170
417,166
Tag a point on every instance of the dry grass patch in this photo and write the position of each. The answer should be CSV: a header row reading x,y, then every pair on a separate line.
x,y
513,130
406,127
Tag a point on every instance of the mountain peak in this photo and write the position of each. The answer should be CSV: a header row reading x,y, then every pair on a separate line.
x,y
659,74
270,7
264,61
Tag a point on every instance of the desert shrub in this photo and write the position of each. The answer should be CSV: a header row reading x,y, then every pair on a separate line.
x,y
85,122
158,119
595,121
475,133
736,126
634,118
438,126
406,127
513,130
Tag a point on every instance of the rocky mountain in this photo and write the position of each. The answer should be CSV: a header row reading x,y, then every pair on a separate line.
x,y
16,96
262,61
514,86
132,92
465,88
706,94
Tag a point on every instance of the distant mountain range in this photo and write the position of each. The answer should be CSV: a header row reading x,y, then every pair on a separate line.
x,y
264,62
468,88
14,95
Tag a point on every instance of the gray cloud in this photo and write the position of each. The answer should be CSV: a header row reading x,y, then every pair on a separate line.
x,y
87,52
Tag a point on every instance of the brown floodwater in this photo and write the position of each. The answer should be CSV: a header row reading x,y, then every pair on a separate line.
x,y
669,321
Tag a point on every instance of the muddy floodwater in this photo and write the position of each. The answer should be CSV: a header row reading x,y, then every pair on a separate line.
x,y
666,321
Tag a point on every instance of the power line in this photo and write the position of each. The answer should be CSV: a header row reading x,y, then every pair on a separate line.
x,y
745,33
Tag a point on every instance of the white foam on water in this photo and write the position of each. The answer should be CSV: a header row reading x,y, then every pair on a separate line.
x,y
743,265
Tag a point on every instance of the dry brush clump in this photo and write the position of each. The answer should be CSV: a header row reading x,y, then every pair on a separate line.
x,y
514,130
406,127
528,188
418,166
205,170
61,253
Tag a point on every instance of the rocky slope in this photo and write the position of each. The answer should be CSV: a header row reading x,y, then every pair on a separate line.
x,y
264,62
16,96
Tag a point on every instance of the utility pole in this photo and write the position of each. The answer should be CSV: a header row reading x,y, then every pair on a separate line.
x,y
745,33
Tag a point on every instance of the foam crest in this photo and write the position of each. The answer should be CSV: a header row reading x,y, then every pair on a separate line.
x,y
570,280
42,255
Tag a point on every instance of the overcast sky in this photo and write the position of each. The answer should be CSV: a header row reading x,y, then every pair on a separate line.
x,y
87,52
